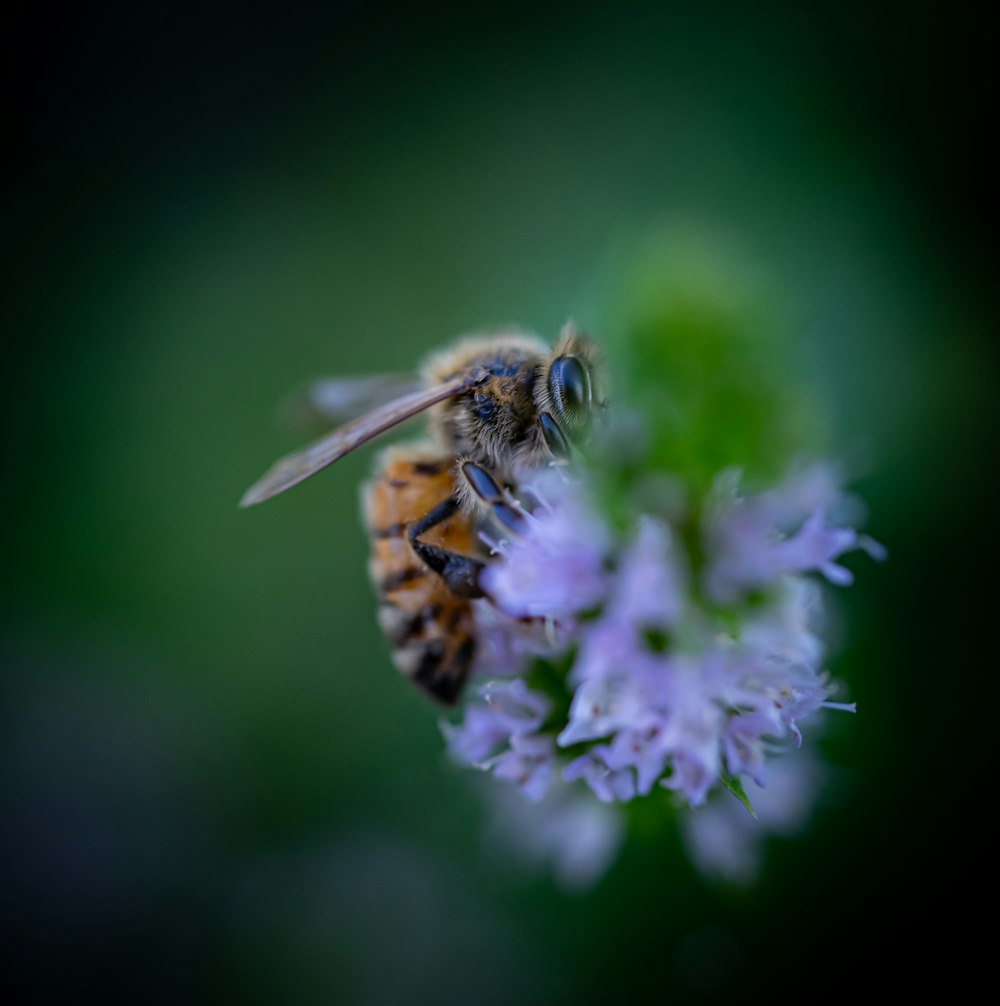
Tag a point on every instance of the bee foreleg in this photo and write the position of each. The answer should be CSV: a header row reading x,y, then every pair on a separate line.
x,y
488,490
459,572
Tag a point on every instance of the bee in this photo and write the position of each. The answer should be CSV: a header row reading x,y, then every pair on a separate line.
x,y
499,406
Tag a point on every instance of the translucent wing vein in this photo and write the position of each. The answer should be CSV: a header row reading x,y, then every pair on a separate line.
x,y
300,465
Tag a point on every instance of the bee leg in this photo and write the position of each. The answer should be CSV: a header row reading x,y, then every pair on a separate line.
x,y
459,572
554,437
488,490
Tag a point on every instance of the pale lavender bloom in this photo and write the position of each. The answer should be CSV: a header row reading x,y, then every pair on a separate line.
x,y
794,690
728,703
503,649
817,544
600,707
641,747
751,541
694,772
774,671
606,647
817,486
786,628
480,734
691,736
647,593
528,762
567,831
665,710
609,785
511,711
802,694
725,841
745,743
517,704
556,568
648,589
681,689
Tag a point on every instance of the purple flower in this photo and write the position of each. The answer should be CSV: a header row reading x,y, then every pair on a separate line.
x,y
725,841
528,762
504,647
745,743
609,785
600,707
786,629
692,733
567,831
608,647
482,733
649,586
556,568
817,544
501,735
680,688
641,748
751,541
513,702
793,691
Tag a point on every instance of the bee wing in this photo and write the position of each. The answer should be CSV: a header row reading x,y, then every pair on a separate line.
x,y
337,399
299,465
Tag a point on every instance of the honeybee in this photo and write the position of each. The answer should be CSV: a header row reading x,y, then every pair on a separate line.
x,y
499,406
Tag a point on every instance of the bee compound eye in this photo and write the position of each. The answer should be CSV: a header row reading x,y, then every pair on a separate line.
x,y
554,437
569,385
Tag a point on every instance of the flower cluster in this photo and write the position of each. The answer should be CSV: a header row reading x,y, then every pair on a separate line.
x,y
678,653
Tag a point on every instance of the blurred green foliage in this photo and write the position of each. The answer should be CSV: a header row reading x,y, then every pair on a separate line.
x,y
700,344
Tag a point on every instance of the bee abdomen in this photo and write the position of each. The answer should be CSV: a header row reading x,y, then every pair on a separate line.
x,y
442,670
434,645
430,630
401,628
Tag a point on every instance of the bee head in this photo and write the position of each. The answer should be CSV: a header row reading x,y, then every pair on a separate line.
x,y
564,393
530,401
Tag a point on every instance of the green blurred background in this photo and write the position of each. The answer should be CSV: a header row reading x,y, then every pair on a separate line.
x,y
214,786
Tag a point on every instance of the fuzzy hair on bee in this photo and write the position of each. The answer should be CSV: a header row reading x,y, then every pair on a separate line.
x,y
518,418
499,406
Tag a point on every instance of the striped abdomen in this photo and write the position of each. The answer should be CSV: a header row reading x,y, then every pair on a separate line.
x,y
430,630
